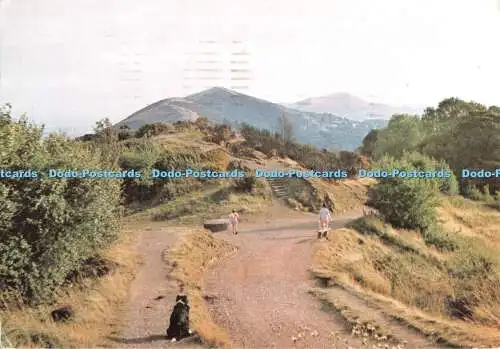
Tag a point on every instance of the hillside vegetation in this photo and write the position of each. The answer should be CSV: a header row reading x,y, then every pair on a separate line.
x,y
50,227
428,256
50,211
57,233
220,105
466,135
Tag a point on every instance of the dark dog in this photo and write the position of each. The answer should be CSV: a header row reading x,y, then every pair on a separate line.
x,y
179,320
62,314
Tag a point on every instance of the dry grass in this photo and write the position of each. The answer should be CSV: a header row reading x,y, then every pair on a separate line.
x,y
353,319
217,159
412,279
454,333
471,218
347,194
217,203
193,253
189,138
95,306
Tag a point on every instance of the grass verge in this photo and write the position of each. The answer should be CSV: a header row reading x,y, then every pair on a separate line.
x,y
352,320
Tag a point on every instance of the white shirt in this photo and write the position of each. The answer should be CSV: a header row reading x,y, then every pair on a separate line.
x,y
233,217
324,213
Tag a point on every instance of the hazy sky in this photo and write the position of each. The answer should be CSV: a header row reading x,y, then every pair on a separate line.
x,y
71,62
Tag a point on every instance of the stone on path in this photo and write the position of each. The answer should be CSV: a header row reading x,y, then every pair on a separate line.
x,y
216,225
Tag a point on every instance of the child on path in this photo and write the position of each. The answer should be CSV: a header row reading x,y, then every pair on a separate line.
x,y
234,218
324,219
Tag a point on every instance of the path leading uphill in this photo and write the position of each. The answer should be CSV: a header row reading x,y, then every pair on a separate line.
x,y
260,295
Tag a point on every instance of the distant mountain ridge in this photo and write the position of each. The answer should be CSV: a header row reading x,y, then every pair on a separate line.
x,y
219,105
351,107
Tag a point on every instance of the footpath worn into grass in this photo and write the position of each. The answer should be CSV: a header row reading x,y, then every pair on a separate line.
x,y
173,262
175,253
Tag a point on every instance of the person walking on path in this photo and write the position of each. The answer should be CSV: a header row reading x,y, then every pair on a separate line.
x,y
324,219
234,218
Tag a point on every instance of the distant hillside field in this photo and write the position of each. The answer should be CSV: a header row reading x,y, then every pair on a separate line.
x,y
351,107
220,105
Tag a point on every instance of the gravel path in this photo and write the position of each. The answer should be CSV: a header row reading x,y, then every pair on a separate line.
x,y
260,295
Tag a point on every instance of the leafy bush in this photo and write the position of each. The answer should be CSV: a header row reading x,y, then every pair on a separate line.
x,y
169,160
155,129
246,184
477,194
48,227
221,134
405,204
139,154
441,240
167,188
144,155
408,203
417,161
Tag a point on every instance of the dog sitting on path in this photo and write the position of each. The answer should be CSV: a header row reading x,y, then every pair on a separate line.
x,y
179,320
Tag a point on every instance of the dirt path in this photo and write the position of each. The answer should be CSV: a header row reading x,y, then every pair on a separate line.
x,y
151,295
260,295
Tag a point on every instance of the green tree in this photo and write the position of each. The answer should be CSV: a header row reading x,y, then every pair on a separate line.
x,y
369,142
403,133
151,130
447,112
48,227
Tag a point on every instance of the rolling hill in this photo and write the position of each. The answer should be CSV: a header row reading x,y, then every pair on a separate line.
x,y
350,107
220,105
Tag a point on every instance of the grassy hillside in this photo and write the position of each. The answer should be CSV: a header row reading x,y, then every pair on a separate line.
x,y
425,256
445,284
220,105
